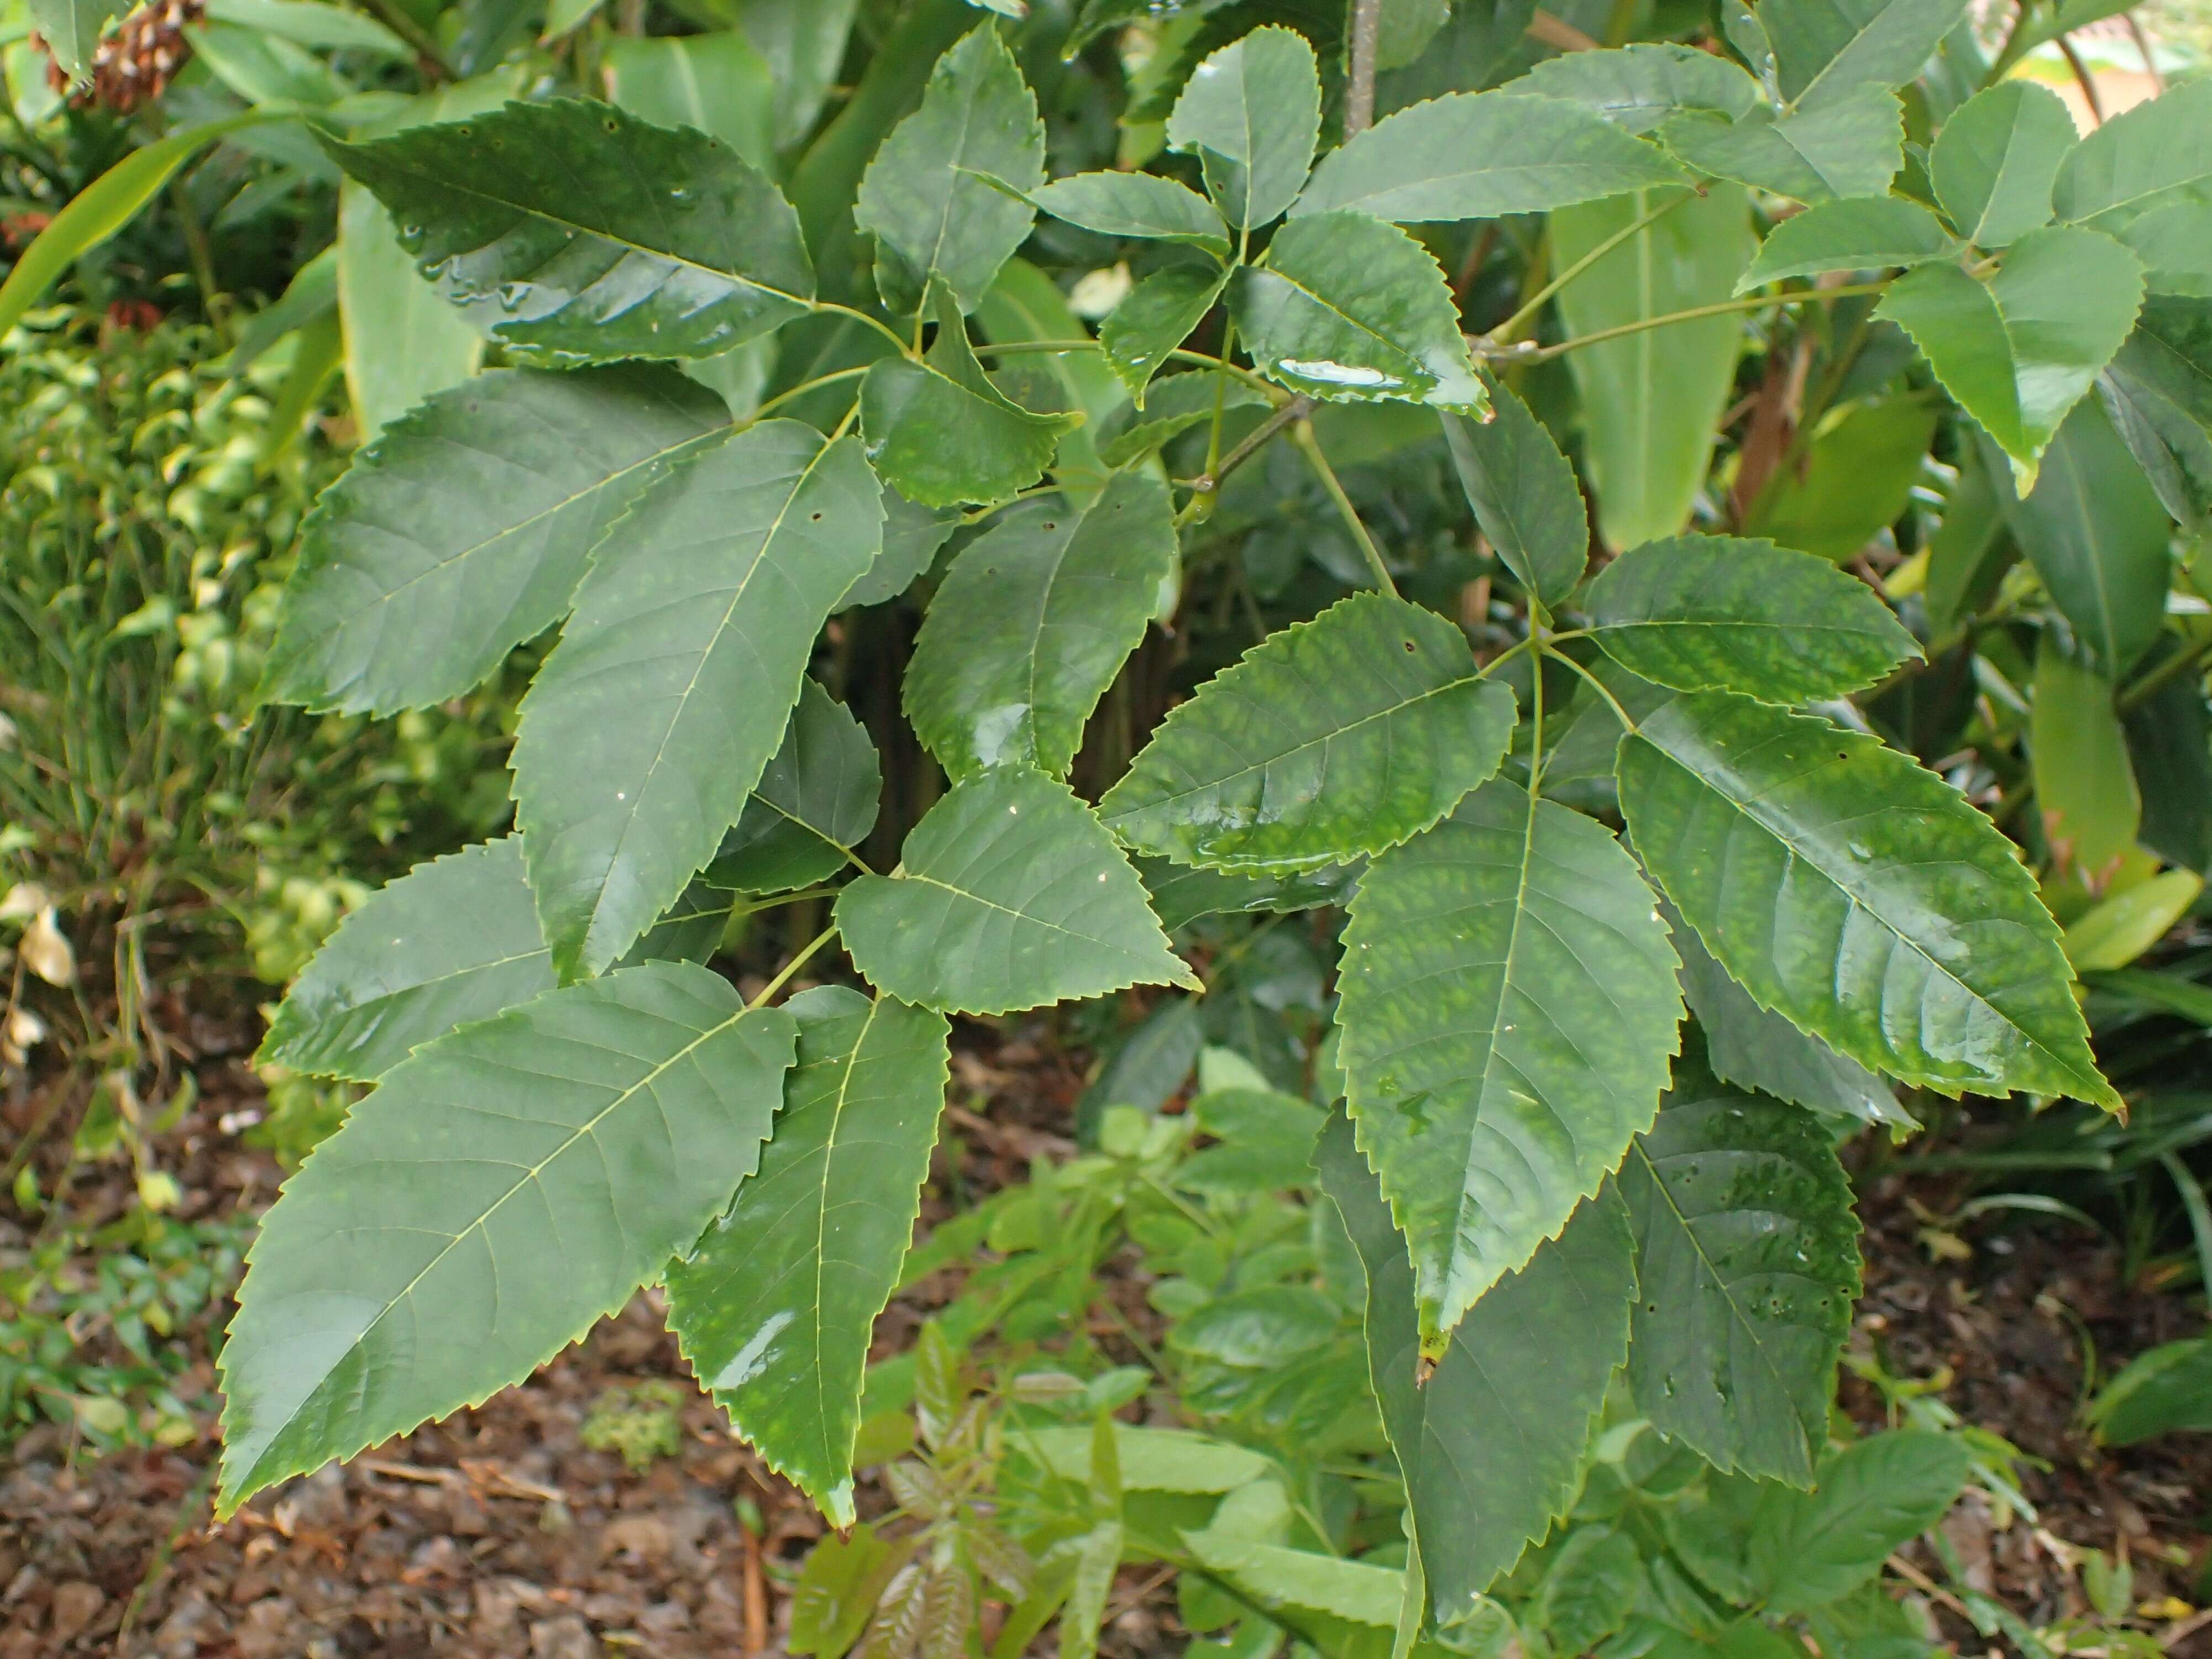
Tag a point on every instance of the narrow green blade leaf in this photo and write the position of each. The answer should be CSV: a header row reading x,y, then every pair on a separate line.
x,y
1699,612
1873,1497
1010,895
1156,317
1747,1258
2151,157
1845,887
1349,309
585,232
2158,391
1482,155
1995,162
1490,1445
1337,737
774,1307
1523,494
1825,50
815,803
940,433
1032,622
1637,87
1136,204
2019,349
921,196
654,717
464,529
1871,235
715,81
1252,110
1506,1010
1849,146
404,1271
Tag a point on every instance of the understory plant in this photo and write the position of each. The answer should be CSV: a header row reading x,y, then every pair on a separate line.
x,y
1643,789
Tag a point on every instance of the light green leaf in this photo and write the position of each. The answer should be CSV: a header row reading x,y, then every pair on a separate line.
x,y
1405,28
1848,146
1506,1010
1025,305
265,69
1523,494
312,293
838,1587
71,29
1845,887
1869,235
774,1307
1490,1445
2174,243
2020,348
580,230
1652,399
1995,162
921,196
2114,931
1135,204
564,16
1032,622
1348,308
1590,1585
1853,481
311,24
403,344
1637,87
405,1271
1879,1494
1252,110
2158,392
1481,154
1695,612
715,82
815,803
463,530
1156,317
1825,50
1748,1262
2085,788
654,717
2168,1388
1010,894
1151,1460
1333,737
2151,157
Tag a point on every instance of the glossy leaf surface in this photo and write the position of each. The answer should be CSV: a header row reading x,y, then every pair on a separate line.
x,y
815,802
1252,112
1995,162
1872,234
1523,494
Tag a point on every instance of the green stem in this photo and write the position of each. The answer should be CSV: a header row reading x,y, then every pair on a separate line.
x,y
815,384
1750,302
878,324
2146,687
1510,330
791,968
396,18
1596,684
1220,397
1302,433
2200,1215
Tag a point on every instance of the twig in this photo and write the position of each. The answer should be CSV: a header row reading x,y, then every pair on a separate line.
x,y
2083,79
1303,436
396,18
1511,327
1905,1570
1520,351
1366,41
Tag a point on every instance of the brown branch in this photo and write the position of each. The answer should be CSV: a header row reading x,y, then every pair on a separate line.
x,y
1366,41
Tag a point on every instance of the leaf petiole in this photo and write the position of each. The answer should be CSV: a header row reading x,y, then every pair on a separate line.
x,y
790,969
1620,714
1522,353
1302,433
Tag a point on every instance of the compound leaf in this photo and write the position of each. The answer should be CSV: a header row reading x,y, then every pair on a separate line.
x,y
1523,494
815,802
1874,233
1252,112
1995,162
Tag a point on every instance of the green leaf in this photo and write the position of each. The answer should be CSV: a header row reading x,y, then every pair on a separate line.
x,y
2168,1388
656,714
715,82
463,530
1995,162
1848,146
1490,1445
1170,409
1181,894
838,1587
1869,235
2115,931
1637,87
1747,1258
1523,494
1590,1586
941,433
2174,243
1652,399
310,23
2018,348
1135,204
1811,1548
1698,613
2155,156
1010,894
1032,622
1826,50
805,42
1349,309
774,1308
921,196
2085,788
1252,112
1333,737
404,1271
1480,155
71,29
1506,1010
1156,317
1861,896
1151,1460
2158,392
582,231
911,536
815,803
1854,480
312,293
265,69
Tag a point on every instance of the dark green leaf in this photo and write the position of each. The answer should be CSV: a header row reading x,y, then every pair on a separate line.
x,y
464,529
1825,50
1135,204
911,536
774,1307
1696,612
1870,234
1637,87
2155,156
1995,162
1252,110
1506,1010
405,1272
921,196
2158,391
1845,887
2169,737
1180,895
1591,1584
585,231
2020,348
2168,1388
1490,1445
1171,408
1155,318
655,716
1848,146
1347,307
1010,894
1337,737
1031,623
814,804
1523,494
1747,1260
1883,1493
1479,155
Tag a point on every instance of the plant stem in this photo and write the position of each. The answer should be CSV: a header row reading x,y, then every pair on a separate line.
x,y
1303,436
791,968
1220,397
1360,95
876,323
395,17
1596,684
2146,687
1510,328
815,384
1749,302
1250,445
